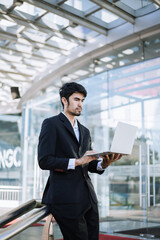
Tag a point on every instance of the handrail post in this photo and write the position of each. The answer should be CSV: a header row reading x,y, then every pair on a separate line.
x,y
47,233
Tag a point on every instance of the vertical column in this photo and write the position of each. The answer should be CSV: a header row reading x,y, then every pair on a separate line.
x,y
25,123
143,166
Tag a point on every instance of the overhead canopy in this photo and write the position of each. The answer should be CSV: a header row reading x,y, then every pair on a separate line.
x,y
44,42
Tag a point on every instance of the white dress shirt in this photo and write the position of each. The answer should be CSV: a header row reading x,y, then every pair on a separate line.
x,y
71,164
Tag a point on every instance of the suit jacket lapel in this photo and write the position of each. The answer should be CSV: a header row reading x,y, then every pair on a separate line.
x,y
81,134
67,124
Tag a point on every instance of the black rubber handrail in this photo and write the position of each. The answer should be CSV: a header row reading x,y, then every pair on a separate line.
x,y
19,211
24,223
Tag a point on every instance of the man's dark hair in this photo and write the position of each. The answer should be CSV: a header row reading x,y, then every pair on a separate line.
x,y
69,88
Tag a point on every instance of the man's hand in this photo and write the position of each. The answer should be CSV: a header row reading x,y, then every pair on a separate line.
x,y
108,159
85,159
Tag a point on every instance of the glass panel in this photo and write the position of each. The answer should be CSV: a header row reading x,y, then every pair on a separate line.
x,y
136,4
82,5
6,3
34,114
7,23
30,9
105,16
10,161
55,19
128,191
152,46
80,30
21,47
62,43
35,35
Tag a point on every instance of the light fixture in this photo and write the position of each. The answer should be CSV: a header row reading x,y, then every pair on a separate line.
x,y
121,63
97,61
98,69
15,93
110,66
65,78
81,72
106,59
128,51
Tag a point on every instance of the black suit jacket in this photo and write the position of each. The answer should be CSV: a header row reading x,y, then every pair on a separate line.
x,y
57,144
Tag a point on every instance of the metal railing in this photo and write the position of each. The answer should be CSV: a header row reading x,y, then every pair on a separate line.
x,y
25,222
9,193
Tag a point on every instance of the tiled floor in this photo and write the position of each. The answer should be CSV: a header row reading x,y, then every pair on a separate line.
x,y
34,233
111,225
122,225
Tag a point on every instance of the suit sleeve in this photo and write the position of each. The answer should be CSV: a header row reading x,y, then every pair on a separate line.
x,y
47,149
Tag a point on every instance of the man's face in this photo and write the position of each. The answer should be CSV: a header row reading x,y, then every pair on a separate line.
x,y
75,104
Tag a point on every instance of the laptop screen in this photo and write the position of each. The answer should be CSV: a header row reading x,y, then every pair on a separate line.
x,y
123,139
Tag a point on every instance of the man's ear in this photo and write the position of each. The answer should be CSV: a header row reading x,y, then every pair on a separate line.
x,y
64,101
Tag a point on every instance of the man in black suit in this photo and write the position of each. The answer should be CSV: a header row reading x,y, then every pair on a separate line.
x,y
63,147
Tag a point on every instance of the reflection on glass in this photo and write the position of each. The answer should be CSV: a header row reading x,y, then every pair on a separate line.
x,y
129,188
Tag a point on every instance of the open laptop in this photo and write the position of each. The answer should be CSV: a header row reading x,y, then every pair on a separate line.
x,y
122,142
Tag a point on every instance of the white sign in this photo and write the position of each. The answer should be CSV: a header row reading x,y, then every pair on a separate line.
x,y
10,158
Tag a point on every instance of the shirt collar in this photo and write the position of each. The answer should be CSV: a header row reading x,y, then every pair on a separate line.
x,y
75,126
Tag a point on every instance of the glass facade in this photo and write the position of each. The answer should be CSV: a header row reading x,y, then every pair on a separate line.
x,y
129,188
113,49
34,113
10,161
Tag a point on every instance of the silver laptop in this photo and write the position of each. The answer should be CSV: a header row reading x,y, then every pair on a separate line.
x,y
123,140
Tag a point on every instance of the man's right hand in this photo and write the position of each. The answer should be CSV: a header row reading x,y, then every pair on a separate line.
x,y
85,159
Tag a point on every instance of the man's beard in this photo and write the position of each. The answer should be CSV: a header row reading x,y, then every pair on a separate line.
x,y
76,113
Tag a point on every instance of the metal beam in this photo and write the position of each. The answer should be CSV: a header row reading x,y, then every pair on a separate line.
x,y
60,2
16,73
62,68
14,80
36,44
23,54
92,11
20,18
114,9
22,62
77,17
156,2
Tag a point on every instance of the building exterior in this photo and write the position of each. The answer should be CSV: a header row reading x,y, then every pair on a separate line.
x,y
113,49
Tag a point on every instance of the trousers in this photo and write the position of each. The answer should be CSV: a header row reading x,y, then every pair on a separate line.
x,y
84,227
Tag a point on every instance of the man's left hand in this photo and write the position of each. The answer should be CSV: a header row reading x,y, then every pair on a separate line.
x,y
110,158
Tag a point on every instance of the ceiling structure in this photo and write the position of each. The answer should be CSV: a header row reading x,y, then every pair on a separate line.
x,y
44,43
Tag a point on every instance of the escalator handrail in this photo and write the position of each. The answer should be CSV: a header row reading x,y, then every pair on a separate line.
x,y
23,223
19,211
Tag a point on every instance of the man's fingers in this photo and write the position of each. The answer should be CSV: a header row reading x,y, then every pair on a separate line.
x,y
117,156
112,156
